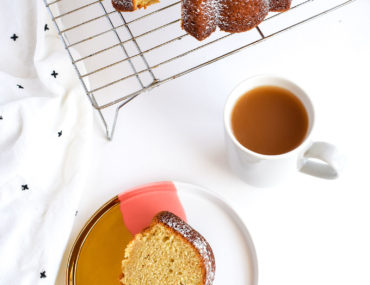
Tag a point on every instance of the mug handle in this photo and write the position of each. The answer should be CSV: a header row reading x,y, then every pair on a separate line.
x,y
322,160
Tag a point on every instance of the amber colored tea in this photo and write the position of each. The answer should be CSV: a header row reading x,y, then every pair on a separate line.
x,y
269,120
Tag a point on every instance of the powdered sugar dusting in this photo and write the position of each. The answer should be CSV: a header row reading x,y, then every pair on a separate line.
x,y
195,239
241,15
201,17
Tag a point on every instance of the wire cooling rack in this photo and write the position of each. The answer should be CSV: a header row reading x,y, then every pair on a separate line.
x,y
118,56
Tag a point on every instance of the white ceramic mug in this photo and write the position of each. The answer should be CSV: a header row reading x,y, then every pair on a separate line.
x,y
319,159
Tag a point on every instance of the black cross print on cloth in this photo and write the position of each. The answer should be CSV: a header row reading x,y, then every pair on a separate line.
x,y
20,86
1,117
54,74
14,37
43,274
46,28
25,187
60,133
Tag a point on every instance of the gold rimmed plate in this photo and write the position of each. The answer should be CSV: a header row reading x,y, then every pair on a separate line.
x,y
96,256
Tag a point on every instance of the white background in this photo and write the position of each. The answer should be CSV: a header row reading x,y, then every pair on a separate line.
x,y
307,231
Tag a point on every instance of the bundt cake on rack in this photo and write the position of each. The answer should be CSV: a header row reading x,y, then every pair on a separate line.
x,y
200,18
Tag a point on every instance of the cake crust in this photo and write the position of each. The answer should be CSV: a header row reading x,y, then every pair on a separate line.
x,y
199,17
124,5
280,5
237,16
132,5
195,239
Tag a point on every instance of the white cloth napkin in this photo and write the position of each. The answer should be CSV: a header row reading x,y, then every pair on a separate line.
x,y
45,136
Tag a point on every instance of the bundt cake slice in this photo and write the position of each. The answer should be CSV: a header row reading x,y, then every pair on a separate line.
x,y
131,5
169,252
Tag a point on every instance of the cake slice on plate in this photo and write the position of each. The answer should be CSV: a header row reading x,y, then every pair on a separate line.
x,y
169,252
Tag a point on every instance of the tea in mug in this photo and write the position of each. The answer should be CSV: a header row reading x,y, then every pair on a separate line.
x,y
269,120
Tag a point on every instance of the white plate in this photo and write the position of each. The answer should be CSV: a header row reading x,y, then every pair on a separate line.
x,y
236,261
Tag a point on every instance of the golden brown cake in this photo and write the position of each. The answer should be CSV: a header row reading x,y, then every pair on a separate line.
x,y
200,18
168,252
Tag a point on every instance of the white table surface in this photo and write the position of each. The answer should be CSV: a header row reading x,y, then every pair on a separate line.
x,y
307,231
